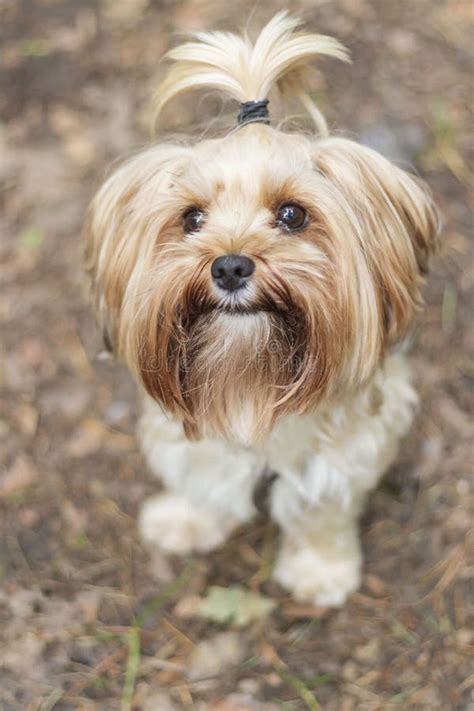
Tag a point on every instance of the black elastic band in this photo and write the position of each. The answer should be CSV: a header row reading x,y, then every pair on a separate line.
x,y
251,111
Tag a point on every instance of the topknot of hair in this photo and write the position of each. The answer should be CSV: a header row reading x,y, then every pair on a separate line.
x,y
246,71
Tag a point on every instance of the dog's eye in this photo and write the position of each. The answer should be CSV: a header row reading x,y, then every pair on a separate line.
x,y
291,216
193,219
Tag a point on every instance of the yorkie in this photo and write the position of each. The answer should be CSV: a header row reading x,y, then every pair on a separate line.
x,y
260,286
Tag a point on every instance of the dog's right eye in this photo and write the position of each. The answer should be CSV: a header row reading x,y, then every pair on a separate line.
x,y
292,217
193,220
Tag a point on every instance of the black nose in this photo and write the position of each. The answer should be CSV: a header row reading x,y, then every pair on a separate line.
x,y
231,271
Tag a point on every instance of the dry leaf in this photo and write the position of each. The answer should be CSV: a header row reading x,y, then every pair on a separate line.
x,y
234,605
21,474
214,655
87,439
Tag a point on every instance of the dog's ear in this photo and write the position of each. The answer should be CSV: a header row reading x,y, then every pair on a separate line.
x,y
123,225
396,224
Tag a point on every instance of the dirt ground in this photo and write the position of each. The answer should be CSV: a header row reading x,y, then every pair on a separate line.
x,y
88,619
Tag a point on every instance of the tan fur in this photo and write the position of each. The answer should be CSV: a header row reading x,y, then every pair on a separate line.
x,y
323,304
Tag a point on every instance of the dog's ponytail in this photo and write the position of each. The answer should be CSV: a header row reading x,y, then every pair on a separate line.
x,y
245,71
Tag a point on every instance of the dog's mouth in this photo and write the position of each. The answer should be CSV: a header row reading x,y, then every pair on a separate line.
x,y
237,307
246,301
245,305
243,309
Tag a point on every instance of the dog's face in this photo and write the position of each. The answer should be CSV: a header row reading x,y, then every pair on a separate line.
x,y
257,274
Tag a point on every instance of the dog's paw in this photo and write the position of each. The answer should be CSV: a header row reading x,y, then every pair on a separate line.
x,y
316,578
177,526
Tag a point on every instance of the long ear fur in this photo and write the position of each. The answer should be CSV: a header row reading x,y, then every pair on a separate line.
x,y
398,224
246,72
122,226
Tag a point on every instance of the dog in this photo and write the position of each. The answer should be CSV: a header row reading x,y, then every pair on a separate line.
x,y
260,286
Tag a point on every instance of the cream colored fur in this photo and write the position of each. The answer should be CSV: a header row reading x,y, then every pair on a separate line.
x,y
300,370
247,71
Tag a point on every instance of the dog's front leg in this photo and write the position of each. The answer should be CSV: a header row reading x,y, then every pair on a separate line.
x,y
209,486
320,557
178,525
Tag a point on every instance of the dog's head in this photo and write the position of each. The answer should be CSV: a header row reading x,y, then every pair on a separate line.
x,y
258,274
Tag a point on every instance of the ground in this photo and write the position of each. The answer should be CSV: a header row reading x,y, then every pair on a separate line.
x,y
89,620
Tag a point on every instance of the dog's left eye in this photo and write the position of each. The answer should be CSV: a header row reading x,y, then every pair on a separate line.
x,y
193,219
291,216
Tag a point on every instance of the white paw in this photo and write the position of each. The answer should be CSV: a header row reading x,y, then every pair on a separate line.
x,y
177,526
316,578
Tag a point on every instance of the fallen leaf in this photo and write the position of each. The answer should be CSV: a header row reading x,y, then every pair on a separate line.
x,y
368,653
234,605
375,585
87,439
214,655
21,474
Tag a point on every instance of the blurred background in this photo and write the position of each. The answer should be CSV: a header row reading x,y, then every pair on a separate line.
x,y
91,621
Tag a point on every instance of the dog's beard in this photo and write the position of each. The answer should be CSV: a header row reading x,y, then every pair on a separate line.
x,y
237,367
230,366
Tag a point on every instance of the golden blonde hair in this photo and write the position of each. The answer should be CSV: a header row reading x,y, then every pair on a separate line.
x,y
323,305
247,71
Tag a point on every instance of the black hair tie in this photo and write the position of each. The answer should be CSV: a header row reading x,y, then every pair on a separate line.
x,y
251,111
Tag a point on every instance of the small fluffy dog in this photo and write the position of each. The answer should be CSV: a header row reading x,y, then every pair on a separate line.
x,y
259,287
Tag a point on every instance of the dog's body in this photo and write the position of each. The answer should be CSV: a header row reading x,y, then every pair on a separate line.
x,y
327,462
259,286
